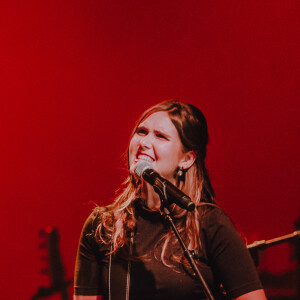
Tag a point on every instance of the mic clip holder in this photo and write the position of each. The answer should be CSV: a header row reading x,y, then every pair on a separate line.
x,y
190,255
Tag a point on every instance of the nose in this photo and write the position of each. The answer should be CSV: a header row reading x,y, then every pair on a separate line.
x,y
146,142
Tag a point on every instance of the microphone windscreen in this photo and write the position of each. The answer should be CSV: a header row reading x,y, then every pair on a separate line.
x,y
141,166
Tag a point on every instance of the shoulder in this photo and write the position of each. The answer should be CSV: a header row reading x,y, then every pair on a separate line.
x,y
88,238
92,221
218,229
212,215
101,215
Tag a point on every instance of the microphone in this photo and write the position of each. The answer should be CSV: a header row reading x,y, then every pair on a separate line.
x,y
145,170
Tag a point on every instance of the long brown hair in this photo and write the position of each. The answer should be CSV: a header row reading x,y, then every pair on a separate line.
x,y
118,219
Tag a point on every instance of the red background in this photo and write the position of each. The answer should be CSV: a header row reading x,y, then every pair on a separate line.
x,y
77,74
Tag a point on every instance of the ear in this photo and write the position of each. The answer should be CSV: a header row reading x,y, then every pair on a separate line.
x,y
187,160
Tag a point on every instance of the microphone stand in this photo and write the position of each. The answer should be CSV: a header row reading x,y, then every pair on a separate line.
x,y
187,253
262,245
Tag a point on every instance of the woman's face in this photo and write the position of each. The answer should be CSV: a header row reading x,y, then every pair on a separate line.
x,y
156,140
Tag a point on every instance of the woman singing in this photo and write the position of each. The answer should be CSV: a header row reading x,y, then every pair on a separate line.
x,y
128,251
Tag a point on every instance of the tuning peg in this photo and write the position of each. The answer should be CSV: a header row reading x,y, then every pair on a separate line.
x,y
43,245
45,271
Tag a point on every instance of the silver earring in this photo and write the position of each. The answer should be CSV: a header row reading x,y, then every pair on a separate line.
x,y
180,174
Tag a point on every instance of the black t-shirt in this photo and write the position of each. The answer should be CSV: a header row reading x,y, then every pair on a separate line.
x,y
224,260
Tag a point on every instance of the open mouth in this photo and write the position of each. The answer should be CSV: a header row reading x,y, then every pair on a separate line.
x,y
145,157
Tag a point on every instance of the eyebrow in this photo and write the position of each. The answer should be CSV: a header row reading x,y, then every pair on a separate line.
x,y
141,127
156,131
162,133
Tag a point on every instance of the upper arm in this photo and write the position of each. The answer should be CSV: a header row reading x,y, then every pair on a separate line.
x,y
255,295
83,297
87,266
230,259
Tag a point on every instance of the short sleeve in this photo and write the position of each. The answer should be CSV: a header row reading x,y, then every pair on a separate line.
x,y
87,271
228,255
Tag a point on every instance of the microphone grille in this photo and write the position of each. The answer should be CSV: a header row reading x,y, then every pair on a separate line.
x,y
141,166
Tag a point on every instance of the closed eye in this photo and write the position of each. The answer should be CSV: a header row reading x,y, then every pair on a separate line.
x,y
162,136
141,131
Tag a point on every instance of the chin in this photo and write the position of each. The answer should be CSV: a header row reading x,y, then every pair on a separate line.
x,y
131,169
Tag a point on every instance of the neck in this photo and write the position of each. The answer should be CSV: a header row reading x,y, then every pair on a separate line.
x,y
151,197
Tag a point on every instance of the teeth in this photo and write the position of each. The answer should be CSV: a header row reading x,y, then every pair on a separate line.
x,y
145,157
